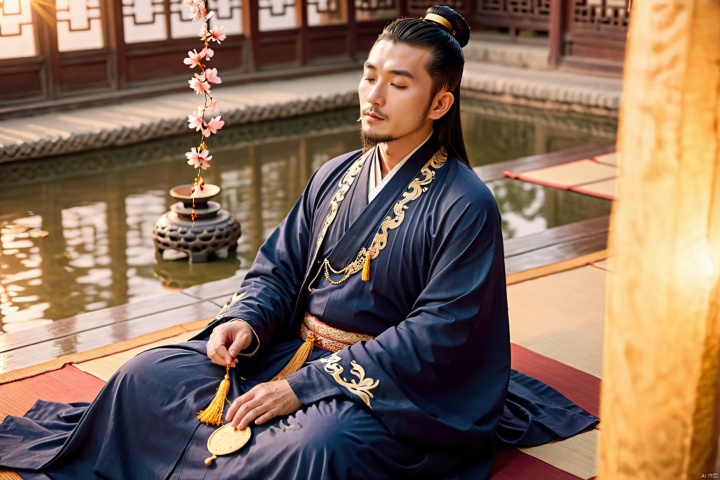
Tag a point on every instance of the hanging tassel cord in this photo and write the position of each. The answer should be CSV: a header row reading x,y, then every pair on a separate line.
x,y
212,415
297,361
366,267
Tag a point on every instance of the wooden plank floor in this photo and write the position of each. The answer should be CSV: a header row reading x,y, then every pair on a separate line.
x,y
104,327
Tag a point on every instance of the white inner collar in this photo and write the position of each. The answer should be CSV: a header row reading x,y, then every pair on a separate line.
x,y
376,182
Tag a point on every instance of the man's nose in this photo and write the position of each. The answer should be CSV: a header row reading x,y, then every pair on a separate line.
x,y
376,95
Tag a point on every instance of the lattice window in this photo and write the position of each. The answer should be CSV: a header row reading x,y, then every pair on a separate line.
x,y
529,8
277,14
492,6
181,23
326,12
228,13
419,7
17,34
602,15
79,25
144,20
376,9
375,4
533,10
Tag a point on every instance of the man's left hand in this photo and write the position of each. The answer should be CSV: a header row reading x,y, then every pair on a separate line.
x,y
262,403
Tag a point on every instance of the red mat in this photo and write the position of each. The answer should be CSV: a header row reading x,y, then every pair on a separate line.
x,y
65,385
69,384
580,387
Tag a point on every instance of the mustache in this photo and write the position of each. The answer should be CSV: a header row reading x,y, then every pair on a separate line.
x,y
374,113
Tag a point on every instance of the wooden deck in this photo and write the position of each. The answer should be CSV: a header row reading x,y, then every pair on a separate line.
x,y
104,327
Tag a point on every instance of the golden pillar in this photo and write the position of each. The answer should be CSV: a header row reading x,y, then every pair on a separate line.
x,y
661,391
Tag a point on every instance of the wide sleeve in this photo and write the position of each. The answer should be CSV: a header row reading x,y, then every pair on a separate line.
x,y
440,376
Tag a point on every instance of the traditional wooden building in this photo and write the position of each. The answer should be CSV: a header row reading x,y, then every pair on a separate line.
x,y
66,53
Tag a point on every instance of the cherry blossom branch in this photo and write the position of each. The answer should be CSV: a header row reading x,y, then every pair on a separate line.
x,y
201,83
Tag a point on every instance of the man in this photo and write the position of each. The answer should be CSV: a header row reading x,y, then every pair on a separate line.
x,y
390,267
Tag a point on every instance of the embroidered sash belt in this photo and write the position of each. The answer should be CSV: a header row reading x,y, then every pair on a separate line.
x,y
329,338
317,334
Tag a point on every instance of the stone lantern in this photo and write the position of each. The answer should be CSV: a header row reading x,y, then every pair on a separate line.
x,y
214,229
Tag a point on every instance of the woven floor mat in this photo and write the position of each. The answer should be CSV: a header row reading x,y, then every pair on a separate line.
x,y
516,465
603,189
561,316
608,159
67,384
104,367
577,455
574,176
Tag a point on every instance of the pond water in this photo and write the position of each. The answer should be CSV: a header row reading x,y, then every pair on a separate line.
x,y
76,231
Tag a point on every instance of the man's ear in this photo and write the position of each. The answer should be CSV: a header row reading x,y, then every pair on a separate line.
x,y
441,104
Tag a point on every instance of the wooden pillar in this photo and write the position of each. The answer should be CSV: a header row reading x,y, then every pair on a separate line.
x,y
301,14
661,395
557,33
45,24
251,30
115,35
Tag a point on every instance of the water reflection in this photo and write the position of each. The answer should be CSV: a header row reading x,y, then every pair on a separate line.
x,y
527,208
77,230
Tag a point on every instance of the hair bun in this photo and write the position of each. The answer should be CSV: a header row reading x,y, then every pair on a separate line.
x,y
460,28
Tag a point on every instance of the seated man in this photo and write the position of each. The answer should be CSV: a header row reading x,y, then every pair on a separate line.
x,y
369,338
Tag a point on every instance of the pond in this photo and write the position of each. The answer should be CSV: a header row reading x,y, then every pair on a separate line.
x,y
76,231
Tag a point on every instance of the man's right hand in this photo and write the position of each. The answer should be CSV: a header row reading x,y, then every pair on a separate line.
x,y
227,340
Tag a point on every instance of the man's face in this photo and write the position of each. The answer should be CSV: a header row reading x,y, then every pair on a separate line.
x,y
394,92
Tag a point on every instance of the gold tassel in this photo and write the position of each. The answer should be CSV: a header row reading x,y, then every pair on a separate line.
x,y
302,354
366,268
212,415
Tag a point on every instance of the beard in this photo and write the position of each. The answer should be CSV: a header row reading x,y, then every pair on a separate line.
x,y
370,141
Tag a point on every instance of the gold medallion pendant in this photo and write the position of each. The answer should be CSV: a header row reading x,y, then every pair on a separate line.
x,y
226,440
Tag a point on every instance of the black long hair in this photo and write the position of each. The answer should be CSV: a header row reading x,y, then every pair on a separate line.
x,y
445,65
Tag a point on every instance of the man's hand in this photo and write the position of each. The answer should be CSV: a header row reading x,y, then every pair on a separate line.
x,y
264,402
227,340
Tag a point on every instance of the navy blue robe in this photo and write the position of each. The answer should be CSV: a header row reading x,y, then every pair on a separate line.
x,y
424,398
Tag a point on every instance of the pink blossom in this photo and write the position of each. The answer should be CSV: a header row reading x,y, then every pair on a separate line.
x,y
213,126
207,53
196,121
211,75
217,34
197,13
193,58
212,104
198,84
208,15
199,158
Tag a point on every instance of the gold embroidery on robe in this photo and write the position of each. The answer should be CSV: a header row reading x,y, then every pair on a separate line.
x,y
360,387
343,187
416,188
